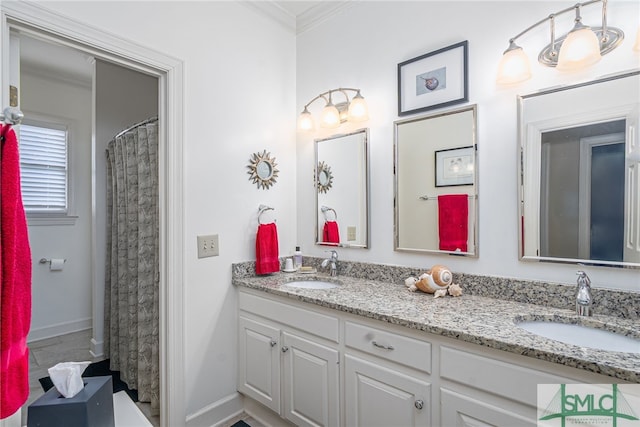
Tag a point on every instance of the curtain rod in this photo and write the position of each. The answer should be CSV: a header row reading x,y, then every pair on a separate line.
x,y
132,127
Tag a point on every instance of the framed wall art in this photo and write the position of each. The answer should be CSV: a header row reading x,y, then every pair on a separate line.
x,y
434,80
454,167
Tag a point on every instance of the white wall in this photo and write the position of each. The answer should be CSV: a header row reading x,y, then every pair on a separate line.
x,y
362,47
62,299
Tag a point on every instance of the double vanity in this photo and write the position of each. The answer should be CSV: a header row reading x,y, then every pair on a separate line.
x,y
350,345
360,349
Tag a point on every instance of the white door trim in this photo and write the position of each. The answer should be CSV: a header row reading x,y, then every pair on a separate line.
x,y
36,20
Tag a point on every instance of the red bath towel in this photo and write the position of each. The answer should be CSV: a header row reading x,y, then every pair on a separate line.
x,y
15,279
453,220
330,232
267,260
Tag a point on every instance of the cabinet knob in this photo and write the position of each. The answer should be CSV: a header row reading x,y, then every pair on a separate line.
x,y
385,347
273,343
285,349
419,404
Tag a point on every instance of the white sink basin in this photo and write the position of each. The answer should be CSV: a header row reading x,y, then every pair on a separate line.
x,y
583,336
312,284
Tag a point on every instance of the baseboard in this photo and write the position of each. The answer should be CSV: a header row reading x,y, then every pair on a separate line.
x,y
96,348
218,412
264,415
59,329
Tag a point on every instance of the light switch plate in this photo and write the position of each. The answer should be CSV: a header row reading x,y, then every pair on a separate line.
x,y
351,233
208,246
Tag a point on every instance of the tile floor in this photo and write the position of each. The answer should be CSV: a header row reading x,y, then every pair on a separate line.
x,y
46,353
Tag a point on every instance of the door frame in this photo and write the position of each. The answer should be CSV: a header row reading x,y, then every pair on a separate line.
x,y
584,189
35,20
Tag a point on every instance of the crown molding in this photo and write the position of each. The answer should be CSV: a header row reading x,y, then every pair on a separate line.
x,y
306,20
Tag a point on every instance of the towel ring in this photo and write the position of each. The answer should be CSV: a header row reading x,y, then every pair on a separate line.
x,y
262,209
325,209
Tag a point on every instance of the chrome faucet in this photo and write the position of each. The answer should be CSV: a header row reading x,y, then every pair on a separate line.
x,y
583,295
333,260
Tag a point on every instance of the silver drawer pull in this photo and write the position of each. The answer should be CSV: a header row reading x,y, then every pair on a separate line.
x,y
285,349
273,343
419,404
385,347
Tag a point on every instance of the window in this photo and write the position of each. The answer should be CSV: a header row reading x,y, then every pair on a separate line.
x,y
44,169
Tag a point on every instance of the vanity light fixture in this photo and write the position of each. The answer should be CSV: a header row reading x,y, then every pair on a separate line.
x,y
581,47
333,115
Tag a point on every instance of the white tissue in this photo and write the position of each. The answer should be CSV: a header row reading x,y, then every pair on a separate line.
x,y
56,264
67,377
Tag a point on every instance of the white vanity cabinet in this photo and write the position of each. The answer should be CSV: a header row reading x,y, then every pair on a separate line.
x,y
317,366
386,378
288,360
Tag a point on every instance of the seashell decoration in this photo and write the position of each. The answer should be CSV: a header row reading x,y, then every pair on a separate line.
x,y
410,283
454,290
440,293
441,275
431,83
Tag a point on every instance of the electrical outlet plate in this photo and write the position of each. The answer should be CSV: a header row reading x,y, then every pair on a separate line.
x,y
208,246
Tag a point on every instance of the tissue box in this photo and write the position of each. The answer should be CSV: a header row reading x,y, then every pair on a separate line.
x,y
91,407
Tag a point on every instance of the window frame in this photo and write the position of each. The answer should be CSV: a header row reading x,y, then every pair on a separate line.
x,y
54,218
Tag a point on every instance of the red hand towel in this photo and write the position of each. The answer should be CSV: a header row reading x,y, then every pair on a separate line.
x,y
453,212
15,279
267,260
330,232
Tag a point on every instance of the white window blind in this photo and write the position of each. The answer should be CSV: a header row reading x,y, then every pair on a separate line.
x,y
43,169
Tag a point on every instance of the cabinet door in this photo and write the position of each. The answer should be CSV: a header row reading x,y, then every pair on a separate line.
x,y
259,362
379,396
310,382
458,410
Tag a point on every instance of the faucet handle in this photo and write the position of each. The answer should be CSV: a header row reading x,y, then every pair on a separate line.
x,y
583,279
334,254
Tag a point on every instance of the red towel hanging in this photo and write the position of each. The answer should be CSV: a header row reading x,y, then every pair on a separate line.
x,y
453,222
15,280
330,232
267,260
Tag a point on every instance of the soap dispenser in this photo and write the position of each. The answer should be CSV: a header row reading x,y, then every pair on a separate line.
x,y
297,258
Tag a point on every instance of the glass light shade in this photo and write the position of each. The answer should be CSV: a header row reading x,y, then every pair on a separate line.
x,y
514,67
330,117
637,45
580,49
305,121
358,110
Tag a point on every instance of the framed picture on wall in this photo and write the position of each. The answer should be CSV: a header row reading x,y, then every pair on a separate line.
x,y
434,80
454,167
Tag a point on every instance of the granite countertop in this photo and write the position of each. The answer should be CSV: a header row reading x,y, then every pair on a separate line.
x,y
475,319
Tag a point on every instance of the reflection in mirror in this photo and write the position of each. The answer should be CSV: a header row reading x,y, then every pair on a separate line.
x,y
342,181
580,173
436,191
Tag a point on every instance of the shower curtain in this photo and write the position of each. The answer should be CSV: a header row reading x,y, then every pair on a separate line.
x,y
132,266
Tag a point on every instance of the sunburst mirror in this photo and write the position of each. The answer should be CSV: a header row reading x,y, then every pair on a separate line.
x,y
324,178
262,169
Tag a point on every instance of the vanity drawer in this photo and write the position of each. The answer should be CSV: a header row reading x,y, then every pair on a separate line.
x,y
496,376
306,320
397,348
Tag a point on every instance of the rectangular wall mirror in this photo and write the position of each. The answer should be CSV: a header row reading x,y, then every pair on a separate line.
x,y
342,187
436,187
580,173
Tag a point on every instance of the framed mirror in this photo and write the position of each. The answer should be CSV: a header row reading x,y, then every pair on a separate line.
x,y
342,183
436,184
579,173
